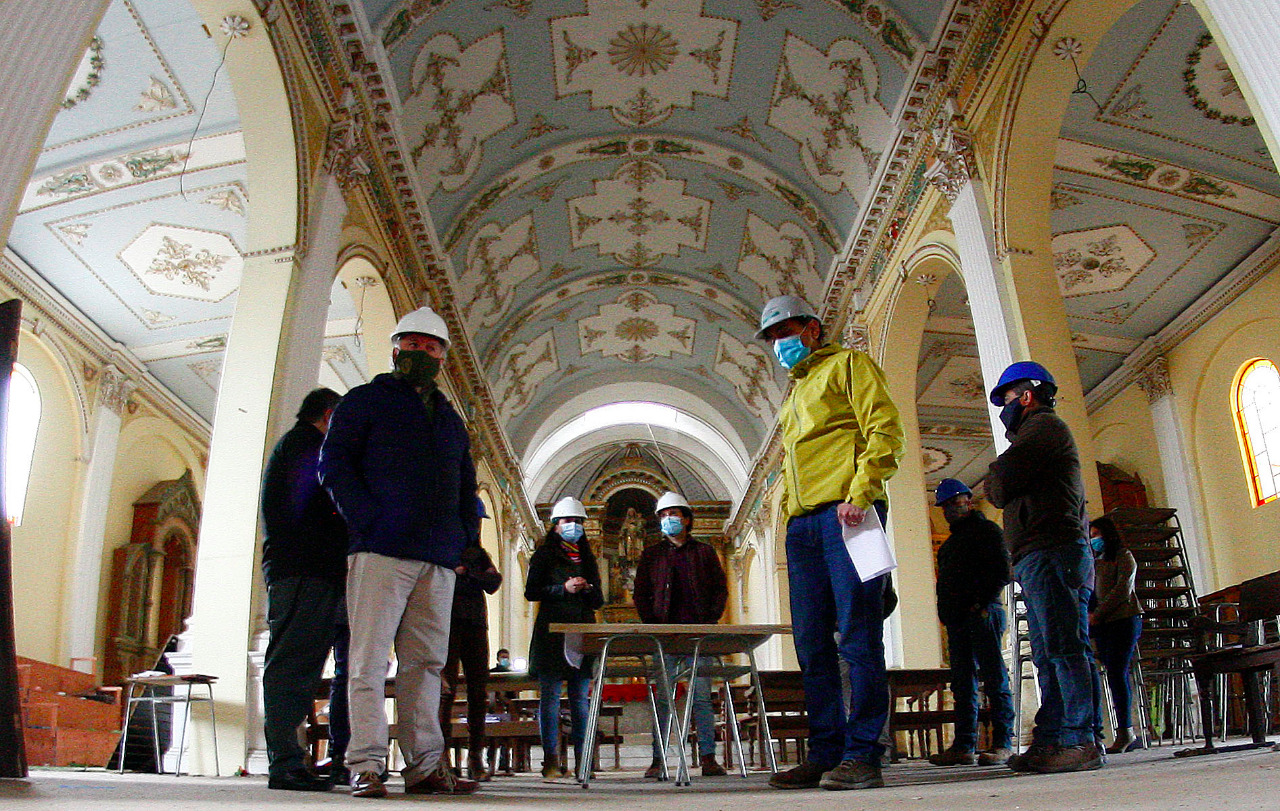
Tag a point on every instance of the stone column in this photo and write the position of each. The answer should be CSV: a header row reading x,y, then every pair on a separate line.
x,y
86,562
1181,482
1245,31
41,43
990,303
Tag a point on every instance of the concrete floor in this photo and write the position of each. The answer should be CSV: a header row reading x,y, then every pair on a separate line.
x,y
1235,781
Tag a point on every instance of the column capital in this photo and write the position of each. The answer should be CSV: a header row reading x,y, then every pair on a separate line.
x,y
345,154
856,337
953,163
114,388
1154,380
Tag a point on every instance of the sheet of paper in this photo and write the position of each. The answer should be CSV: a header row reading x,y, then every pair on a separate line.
x,y
573,650
868,547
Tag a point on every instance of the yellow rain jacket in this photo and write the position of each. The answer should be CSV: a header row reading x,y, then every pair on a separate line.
x,y
840,431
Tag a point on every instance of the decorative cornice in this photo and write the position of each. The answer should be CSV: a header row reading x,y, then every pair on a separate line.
x,y
1154,380
953,164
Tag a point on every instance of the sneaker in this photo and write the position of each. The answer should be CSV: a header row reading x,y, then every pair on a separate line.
x,y
654,770
806,775
953,756
299,779
852,774
1080,758
442,780
367,784
710,768
1125,741
996,757
1022,762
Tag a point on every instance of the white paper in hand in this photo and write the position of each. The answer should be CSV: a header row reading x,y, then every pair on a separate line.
x,y
573,650
868,547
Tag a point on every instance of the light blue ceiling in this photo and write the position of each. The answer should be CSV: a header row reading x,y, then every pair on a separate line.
x,y
1162,192
620,185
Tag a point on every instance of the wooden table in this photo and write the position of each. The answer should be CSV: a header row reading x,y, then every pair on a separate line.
x,y
658,640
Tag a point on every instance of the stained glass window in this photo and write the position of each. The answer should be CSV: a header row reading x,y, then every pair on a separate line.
x,y
1256,402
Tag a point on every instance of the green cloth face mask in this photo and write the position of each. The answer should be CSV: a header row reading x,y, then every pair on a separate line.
x,y
417,367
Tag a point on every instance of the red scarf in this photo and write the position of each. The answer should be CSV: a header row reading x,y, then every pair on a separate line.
x,y
571,549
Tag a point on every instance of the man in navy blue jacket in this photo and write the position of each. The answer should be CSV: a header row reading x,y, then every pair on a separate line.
x,y
397,462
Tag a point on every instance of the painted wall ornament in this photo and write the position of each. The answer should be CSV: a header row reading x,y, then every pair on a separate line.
x,y
953,164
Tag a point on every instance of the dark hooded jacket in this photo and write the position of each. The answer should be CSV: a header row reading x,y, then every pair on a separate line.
x,y
401,477
973,566
549,569
303,535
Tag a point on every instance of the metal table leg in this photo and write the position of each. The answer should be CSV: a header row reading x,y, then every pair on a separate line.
x,y
767,735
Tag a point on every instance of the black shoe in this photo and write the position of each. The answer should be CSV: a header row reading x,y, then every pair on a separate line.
x,y
299,780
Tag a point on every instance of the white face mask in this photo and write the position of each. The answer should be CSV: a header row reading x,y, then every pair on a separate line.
x,y
571,532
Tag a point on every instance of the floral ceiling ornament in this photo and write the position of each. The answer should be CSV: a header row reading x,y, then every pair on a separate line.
x,y
87,76
1067,48
635,328
643,50
155,98
1211,86
750,369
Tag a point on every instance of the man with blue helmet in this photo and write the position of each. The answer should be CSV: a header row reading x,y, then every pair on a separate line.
x,y
1038,483
973,568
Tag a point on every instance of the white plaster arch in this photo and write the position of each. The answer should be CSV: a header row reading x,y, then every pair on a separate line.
x,y
373,306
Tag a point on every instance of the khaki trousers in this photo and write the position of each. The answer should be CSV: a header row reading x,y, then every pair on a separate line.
x,y
406,603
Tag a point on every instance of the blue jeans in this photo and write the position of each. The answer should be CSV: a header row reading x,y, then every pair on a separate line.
x,y
1056,584
704,719
549,712
1116,642
827,596
975,649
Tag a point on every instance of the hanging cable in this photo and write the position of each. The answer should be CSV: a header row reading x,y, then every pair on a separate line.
x,y
1082,87
234,27
662,460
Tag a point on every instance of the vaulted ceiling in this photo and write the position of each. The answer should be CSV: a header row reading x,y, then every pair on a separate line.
x,y
619,185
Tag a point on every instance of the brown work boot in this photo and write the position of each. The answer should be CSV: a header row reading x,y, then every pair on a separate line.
x,y
996,757
476,770
442,780
550,770
1080,758
852,774
367,784
1022,762
806,775
710,768
953,756
654,770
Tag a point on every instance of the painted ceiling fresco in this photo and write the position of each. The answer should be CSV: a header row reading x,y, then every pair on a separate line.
x,y
619,185
1162,191
139,219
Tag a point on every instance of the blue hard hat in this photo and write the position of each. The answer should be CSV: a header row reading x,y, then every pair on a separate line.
x,y
949,489
481,512
1016,373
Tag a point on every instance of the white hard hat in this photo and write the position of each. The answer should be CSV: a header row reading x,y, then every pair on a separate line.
x,y
423,320
670,499
780,308
568,507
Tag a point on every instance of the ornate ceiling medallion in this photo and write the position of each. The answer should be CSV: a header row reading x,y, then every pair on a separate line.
x,y
643,50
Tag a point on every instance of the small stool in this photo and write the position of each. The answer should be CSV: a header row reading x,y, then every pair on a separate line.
x,y
146,694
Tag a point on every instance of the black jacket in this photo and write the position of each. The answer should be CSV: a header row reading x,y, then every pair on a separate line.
x,y
303,533
480,578
1037,481
973,566
402,477
549,568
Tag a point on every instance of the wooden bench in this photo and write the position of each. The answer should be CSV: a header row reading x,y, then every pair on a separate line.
x,y
1252,655
788,720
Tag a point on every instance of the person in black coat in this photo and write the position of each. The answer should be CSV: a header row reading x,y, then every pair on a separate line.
x,y
304,562
973,568
564,580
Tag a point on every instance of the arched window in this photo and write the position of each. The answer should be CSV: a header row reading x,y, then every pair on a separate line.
x,y
1255,399
20,441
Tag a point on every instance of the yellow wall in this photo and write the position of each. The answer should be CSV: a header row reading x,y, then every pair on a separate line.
x,y
1243,540
42,546
1124,436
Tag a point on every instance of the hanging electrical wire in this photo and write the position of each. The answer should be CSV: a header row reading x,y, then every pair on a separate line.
x,y
234,27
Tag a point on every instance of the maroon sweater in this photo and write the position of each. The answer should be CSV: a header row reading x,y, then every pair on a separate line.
x,y
680,584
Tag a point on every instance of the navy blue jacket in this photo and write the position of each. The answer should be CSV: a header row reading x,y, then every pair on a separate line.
x,y
303,535
404,481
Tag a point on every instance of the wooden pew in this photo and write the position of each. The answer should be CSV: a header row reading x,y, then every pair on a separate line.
x,y
1253,654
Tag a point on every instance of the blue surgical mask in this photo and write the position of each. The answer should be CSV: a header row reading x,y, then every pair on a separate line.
x,y
1098,543
571,532
790,351
672,525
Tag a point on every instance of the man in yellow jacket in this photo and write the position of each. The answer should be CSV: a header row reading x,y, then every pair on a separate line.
x,y
841,439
